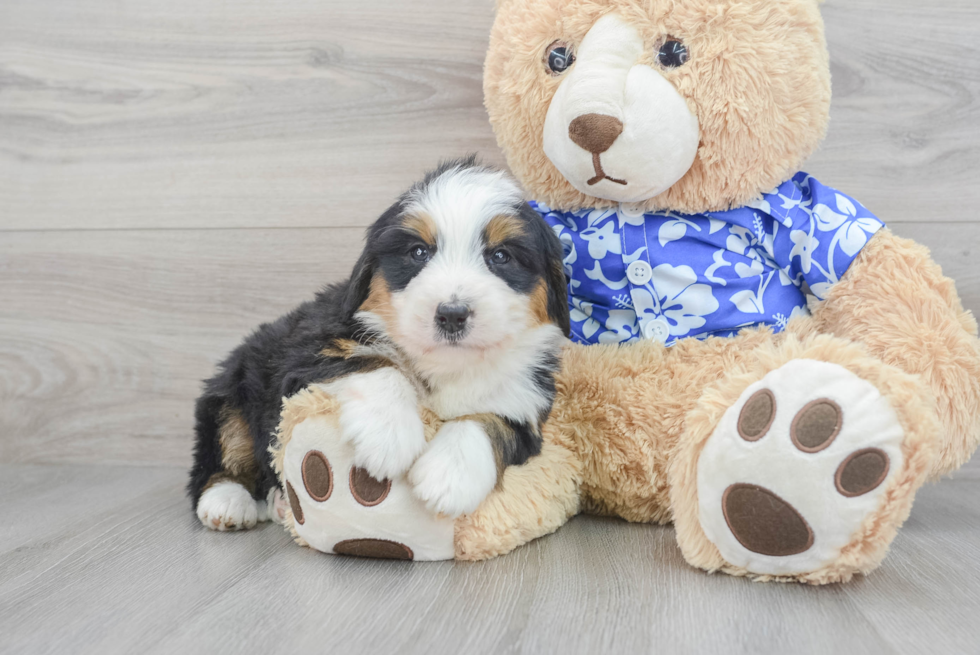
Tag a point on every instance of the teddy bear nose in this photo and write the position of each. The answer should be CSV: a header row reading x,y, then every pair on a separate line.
x,y
595,132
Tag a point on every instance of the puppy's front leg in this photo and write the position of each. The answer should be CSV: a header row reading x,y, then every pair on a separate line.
x,y
466,459
379,415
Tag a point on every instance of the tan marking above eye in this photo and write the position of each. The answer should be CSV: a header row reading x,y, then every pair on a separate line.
x,y
424,226
366,489
757,415
816,425
501,229
317,476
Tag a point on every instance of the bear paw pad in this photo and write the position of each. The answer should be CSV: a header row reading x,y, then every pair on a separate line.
x,y
340,508
795,467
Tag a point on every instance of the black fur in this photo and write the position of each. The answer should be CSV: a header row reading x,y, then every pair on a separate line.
x,y
283,357
276,361
523,444
535,256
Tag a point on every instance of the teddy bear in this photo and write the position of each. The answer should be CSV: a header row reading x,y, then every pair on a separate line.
x,y
754,357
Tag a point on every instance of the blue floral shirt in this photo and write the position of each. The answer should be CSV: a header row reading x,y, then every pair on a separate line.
x,y
665,276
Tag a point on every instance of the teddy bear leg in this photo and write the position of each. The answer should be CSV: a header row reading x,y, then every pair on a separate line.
x,y
896,302
802,465
531,501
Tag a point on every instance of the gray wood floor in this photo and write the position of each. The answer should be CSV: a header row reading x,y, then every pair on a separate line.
x,y
173,174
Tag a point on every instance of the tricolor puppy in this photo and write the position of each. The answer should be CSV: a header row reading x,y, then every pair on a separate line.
x,y
457,303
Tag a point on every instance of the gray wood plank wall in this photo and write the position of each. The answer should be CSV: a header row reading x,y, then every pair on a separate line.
x,y
173,174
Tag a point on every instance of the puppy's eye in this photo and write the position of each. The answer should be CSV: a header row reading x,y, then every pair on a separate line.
x,y
673,53
500,257
420,253
558,57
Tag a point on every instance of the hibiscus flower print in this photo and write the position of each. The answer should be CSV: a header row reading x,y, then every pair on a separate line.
x,y
804,246
852,230
621,326
674,294
603,240
581,312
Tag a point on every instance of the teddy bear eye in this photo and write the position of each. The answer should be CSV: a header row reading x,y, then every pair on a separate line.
x,y
558,57
672,53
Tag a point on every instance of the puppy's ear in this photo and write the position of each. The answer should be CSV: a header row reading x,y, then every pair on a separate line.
x,y
554,273
359,285
558,292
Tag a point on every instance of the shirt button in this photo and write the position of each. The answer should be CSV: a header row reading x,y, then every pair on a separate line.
x,y
657,330
639,272
631,209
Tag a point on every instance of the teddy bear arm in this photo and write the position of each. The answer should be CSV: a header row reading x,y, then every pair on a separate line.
x,y
895,301
531,501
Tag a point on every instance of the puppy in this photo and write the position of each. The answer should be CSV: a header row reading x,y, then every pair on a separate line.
x,y
457,303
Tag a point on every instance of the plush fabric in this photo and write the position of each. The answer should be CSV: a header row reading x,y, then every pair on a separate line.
x,y
708,274
758,82
791,451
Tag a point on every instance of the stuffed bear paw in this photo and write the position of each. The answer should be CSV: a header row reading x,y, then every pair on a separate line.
x,y
337,507
379,417
796,467
457,471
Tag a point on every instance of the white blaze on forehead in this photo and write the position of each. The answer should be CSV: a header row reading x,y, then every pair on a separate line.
x,y
461,202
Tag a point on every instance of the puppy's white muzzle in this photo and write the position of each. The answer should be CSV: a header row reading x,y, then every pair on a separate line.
x,y
659,138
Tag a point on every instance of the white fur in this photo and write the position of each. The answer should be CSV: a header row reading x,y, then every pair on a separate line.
x,y
500,383
379,416
660,133
273,508
460,202
227,506
457,471
491,368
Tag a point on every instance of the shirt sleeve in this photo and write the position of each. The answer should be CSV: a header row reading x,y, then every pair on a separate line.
x,y
818,233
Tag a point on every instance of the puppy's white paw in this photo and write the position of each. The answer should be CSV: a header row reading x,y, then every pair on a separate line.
x,y
273,508
227,506
379,416
457,471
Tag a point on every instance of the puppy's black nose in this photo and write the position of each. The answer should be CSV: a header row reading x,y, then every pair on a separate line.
x,y
451,317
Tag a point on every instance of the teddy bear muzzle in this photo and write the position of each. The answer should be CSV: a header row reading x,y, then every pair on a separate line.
x,y
616,128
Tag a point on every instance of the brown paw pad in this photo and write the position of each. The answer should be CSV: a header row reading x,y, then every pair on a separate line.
x,y
763,522
317,476
367,490
757,415
862,472
374,548
816,425
294,504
